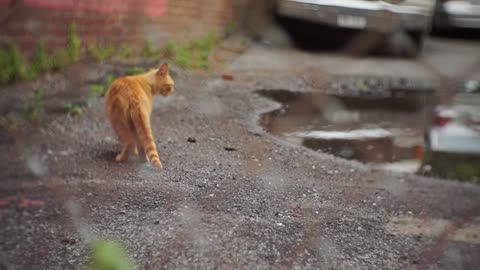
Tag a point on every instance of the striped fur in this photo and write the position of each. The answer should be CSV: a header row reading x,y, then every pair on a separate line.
x,y
128,105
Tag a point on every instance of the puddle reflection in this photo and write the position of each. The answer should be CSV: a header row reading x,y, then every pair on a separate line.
x,y
385,131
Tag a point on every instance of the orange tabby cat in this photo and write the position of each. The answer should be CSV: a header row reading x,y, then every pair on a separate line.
x,y
128,104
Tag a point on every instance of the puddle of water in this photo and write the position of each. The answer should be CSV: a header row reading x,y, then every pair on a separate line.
x,y
386,131
369,129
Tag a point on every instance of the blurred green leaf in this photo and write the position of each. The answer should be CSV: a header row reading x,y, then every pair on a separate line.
x,y
108,255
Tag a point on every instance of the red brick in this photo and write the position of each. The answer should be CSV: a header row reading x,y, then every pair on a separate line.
x,y
123,26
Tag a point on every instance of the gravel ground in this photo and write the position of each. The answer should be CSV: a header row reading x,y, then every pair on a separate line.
x,y
230,197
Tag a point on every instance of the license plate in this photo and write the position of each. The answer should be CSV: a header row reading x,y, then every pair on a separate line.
x,y
350,21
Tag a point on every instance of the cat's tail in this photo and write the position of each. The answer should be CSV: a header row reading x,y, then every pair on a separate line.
x,y
141,123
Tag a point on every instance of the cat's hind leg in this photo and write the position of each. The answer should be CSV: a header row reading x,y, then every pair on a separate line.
x,y
126,139
125,152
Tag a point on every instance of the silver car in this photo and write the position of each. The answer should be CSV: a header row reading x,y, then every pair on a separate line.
x,y
412,17
457,13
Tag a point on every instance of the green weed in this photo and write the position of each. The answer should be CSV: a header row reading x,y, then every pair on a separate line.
x,y
183,57
149,51
125,51
170,49
134,70
101,89
204,43
98,89
34,108
73,109
39,60
109,80
230,28
73,43
59,60
100,53
12,66
194,55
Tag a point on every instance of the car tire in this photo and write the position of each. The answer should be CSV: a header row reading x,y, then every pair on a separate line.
x,y
440,19
417,39
405,44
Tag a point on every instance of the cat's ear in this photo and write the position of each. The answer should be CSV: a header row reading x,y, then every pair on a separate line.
x,y
163,70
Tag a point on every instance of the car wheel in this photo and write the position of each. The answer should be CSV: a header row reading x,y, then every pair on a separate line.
x,y
405,44
417,39
440,19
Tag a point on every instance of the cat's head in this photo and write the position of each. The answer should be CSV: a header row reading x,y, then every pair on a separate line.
x,y
164,84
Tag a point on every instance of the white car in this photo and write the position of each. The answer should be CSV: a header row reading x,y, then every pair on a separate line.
x,y
456,127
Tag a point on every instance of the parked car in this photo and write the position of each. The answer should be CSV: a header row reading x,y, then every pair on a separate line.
x,y
390,17
457,14
456,127
453,140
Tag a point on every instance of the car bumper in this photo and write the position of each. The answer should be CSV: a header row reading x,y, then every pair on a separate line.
x,y
467,141
355,14
460,14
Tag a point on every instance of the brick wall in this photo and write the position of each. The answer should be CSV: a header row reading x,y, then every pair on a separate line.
x,y
109,21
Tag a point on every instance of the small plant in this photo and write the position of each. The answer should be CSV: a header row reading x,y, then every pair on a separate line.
x,y
108,255
109,80
194,55
34,110
170,49
40,62
98,89
59,60
101,89
73,109
183,58
204,43
73,43
125,51
149,51
134,70
12,67
230,28
100,53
